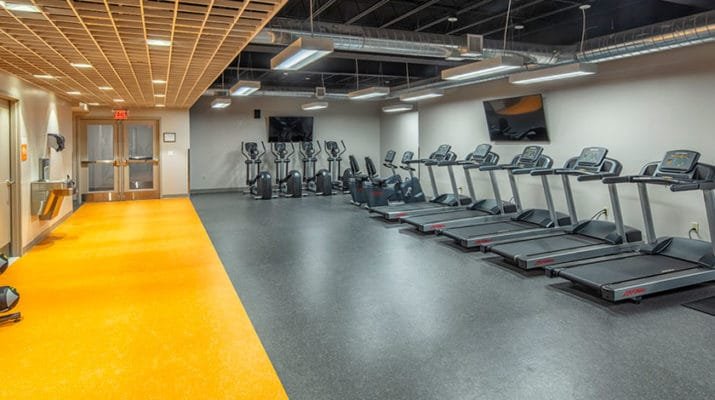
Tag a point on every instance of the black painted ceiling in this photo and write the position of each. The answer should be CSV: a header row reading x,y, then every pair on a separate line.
x,y
547,22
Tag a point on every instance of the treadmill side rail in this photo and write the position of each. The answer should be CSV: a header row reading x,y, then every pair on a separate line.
x,y
637,288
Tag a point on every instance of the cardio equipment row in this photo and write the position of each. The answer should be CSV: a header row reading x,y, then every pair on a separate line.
x,y
287,182
607,257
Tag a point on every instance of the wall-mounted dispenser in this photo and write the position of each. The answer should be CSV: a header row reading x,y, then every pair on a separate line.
x,y
46,195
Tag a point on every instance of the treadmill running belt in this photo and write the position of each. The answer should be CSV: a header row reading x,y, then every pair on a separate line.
x,y
550,244
405,207
625,269
490,228
442,217
706,305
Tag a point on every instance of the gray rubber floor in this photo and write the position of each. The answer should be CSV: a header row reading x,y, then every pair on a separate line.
x,y
349,307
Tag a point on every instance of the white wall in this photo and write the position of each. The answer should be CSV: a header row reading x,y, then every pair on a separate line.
x,y
216,135
39,112
638,108
399,132
174,165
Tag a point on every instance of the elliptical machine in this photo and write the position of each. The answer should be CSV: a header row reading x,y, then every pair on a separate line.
x,y
259,182
340,183
410,187
289,182
9,296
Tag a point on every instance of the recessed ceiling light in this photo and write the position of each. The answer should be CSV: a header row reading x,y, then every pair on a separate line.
x,y
19,7
81,65
119,100
518,27
94,104
160,105
159,95
105,88
158,81
158,42
41,76
74,93
453,19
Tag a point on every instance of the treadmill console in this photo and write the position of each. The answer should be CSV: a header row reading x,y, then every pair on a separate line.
x,y
407,156
390,156
679,161
530,155
591,157
441,153
481,151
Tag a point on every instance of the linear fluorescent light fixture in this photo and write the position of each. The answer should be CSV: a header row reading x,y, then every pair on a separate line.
x,y
81,65
19,7
245,88
221,102
302,52
369,93
158,42
318,105
42,76
74,93
395,108
555,73
483,68
105,88
422,95
158,81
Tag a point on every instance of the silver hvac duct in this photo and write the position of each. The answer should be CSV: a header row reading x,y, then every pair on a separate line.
x,y
283,31
681,32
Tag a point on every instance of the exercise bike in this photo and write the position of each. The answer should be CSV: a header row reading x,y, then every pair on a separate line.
x,y
289,182
358,183
259,182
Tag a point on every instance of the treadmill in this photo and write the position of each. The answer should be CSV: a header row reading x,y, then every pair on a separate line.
x,y
664,263
474,233
438,202
485,209
586,239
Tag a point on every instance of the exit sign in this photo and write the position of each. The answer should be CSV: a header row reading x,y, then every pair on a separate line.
x,y
121,115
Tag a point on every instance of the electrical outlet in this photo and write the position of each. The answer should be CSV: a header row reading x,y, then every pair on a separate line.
x,y
694,226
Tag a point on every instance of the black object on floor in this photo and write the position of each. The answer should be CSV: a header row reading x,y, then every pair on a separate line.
x,y
706,305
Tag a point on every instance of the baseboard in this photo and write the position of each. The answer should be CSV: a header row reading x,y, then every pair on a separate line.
x,y
45,233
220,190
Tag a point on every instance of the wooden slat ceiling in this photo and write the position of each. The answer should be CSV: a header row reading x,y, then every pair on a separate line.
x,y
111,36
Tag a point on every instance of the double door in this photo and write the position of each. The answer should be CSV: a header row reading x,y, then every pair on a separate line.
x,y
119,160
6,181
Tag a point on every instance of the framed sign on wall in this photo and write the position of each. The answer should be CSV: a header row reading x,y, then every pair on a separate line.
x,y
169,137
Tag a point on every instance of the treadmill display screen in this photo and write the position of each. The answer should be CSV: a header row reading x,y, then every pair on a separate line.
x,y
679,160
591,156
530,153
481,151
442,151
407,156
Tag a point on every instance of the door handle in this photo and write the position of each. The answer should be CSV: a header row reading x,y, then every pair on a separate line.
x,y
9,182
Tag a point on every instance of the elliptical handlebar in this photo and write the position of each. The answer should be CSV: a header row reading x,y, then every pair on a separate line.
x,y
243,151
344,149
320,149
273,151
264,150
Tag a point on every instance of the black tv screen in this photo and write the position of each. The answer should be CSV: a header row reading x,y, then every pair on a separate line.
x,y
517,118
290,129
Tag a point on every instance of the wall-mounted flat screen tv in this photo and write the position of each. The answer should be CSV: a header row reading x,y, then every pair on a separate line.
x,y
517,118
290,129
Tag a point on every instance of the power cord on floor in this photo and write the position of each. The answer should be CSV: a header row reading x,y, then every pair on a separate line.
x,y
600,214
691,231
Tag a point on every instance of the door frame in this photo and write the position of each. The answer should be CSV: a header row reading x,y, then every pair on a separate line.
x,y
77,162
16,176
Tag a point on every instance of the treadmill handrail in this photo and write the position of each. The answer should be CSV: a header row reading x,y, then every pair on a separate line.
x,y
618,179
542,171
595,177
524,171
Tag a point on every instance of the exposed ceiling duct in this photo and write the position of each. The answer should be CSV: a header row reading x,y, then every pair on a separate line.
x,y
681,32
283,31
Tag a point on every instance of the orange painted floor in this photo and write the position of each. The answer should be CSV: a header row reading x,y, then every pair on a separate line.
x,y
130,301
